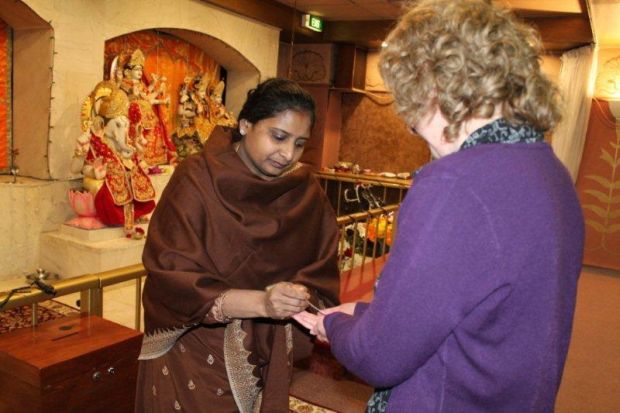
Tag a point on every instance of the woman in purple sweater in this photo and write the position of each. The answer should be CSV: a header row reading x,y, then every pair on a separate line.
x,y
474,308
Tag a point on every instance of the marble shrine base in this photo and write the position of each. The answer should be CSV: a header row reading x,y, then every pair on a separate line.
x,y
72,251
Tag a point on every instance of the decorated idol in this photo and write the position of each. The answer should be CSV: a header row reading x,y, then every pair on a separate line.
x,y
159,148
189,109
111,160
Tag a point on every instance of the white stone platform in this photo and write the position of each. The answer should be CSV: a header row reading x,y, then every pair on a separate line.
x,y
71,251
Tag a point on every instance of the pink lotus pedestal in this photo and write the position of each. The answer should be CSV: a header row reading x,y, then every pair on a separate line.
x,y
83,203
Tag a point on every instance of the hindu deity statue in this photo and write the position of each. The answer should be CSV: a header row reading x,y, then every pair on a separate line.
x,y
186,137
159,148
200,110
218,111
204,122
111,162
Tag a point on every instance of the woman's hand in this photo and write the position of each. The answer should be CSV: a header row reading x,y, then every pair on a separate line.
x,y
285,299
347,308
315,322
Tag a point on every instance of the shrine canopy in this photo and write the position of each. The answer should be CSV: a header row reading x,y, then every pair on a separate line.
x,y
165,55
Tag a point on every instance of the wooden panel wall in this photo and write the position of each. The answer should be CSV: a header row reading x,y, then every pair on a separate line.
x,y
374,137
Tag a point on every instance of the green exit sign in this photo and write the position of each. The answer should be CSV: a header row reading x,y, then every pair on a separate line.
x,y
312,22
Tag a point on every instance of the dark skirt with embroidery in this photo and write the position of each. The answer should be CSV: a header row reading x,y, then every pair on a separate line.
x,y
191,377
224,369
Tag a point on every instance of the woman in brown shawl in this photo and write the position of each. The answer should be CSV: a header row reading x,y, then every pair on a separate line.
x,y
242,239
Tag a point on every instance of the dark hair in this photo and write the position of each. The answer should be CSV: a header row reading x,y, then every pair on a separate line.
x,y
272,97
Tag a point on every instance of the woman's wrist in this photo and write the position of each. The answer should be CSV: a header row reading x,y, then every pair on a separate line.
x,y
244,304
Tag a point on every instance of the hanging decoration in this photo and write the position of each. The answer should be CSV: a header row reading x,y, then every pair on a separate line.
x,y
598,186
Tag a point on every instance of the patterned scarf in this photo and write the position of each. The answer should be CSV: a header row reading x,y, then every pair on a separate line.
x,y
500,131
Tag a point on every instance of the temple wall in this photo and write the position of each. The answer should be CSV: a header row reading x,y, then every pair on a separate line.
x,y
82,27
29,207
247,49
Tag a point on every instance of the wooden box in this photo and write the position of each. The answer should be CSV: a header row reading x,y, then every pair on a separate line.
x,y
74,364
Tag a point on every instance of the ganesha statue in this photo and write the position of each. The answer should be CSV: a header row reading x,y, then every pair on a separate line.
x,y
109,155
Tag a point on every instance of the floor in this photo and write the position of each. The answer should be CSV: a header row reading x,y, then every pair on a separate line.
x,y
591,380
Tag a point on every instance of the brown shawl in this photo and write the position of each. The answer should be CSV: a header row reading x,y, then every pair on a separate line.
x,y
219,226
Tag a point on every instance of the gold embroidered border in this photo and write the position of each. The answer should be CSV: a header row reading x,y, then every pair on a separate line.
x,y
116,180
142,186
159,343
243,383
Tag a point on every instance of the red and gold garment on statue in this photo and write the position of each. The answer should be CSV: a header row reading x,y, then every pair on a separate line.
x,y
218,226
159,147
125,183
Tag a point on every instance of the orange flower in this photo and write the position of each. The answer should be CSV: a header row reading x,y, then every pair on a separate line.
x,y
380,228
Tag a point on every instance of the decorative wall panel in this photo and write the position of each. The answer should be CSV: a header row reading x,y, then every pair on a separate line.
x,y
598,185
5,94
374,137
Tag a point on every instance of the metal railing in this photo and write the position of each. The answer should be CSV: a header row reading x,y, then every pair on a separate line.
x,y
387,190
90,287
368,234
353,229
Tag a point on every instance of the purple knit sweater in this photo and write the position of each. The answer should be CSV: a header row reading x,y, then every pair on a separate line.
x,y
474,309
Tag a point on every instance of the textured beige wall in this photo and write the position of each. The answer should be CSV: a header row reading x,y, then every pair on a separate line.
x,y
82,27
29,207
374,137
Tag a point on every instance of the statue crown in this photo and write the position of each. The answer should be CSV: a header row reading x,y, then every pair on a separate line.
x,y
109,101
137,58
114,105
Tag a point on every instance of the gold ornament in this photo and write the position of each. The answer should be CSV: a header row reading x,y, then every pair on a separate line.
x,y
114,105
137,58
88,111
202,85
86,114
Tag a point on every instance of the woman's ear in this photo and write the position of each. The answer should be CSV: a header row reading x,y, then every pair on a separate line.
x,y
243,126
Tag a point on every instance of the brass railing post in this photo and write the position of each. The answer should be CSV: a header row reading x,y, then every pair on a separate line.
x,y
85,301
138,312
96,301
35,317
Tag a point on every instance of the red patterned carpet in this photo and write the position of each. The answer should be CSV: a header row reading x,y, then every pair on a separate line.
x,y
22,316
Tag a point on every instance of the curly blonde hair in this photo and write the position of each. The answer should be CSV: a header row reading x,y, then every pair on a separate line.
x,y
467,57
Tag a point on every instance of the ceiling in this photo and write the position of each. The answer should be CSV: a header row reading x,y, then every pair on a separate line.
x,y
334,10
563,24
